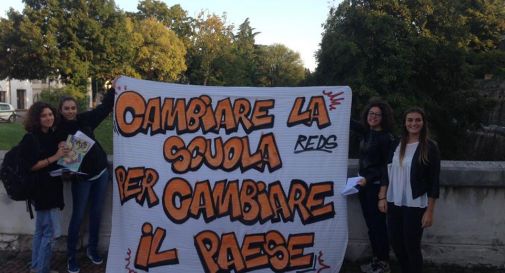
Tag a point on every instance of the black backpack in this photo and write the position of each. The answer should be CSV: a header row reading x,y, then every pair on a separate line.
x,y
17,178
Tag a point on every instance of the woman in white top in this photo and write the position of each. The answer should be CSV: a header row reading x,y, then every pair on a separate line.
x,y
409,199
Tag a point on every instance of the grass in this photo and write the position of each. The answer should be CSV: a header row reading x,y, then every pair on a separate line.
x,y
11,134
103,134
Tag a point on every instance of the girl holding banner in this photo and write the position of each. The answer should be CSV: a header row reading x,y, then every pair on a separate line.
x,y
91,188
375,147
409,199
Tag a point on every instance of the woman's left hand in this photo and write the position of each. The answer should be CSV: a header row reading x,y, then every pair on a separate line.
x,y
383,205
427,220
114,81
362,182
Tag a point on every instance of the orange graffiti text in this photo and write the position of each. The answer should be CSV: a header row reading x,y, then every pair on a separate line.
x,y
250,203
137,183
315,111
133,114
266,250
148,251
228,155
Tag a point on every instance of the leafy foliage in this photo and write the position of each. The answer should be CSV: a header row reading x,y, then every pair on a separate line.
x,y
279,66
424,53
75,41
210,44
160,55
412,52
53,96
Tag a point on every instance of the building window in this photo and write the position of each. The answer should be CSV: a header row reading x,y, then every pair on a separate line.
x,y
21,94
2,96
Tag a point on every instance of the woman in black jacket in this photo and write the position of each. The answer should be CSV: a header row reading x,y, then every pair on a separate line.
x,y
409,198
376,141
91,188
40,152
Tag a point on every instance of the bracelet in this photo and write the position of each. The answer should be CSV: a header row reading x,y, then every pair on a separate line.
x,y
383,198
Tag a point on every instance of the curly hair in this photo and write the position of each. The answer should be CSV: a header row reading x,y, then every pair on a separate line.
x,y
32,120
387,114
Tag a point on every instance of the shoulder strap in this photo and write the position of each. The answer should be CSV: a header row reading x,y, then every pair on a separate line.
x,y
29,208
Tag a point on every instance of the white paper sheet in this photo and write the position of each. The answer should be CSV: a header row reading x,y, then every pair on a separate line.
x,y
351,187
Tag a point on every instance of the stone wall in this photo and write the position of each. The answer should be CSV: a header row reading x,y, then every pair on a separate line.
x,y
469,223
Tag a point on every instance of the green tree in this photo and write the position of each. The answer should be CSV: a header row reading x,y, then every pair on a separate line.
x,y
279,66
174,17
110,46
160,53
72,40
76,41
28,49
210,46
424,53
243,68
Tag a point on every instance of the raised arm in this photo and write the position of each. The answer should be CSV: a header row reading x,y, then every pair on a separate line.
x,y
358,127
94,117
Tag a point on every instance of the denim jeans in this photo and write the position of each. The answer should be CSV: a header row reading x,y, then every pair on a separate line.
x,y
47,228
82,192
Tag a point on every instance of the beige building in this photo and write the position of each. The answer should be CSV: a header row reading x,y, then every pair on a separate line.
x,y
23,93
19,93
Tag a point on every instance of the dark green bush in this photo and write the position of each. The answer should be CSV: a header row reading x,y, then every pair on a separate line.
x,y
53,96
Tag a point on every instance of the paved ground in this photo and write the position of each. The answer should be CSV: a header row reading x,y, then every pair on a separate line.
x,y
18,262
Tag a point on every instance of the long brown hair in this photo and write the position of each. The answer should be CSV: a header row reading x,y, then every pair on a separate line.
x,y
423,136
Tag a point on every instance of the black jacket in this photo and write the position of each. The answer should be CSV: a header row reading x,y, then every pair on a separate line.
x,y
374,150
96,158
424,178
47,191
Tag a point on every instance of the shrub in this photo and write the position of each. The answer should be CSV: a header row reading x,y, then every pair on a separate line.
x,y
53,96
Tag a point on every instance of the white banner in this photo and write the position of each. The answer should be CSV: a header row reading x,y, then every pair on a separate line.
x,y
219,179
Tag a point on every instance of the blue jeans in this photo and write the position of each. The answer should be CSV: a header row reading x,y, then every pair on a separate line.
x,y
47,227
82,192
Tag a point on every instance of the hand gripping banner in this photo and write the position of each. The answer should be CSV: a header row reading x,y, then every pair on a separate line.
x,y
228,179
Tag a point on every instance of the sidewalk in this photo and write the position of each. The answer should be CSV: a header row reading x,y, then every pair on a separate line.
x,y
18,262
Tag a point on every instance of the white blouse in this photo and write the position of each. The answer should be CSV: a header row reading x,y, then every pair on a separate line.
x,y
400,190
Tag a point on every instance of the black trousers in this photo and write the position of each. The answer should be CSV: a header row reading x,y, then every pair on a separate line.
x,y
375,221
405,232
